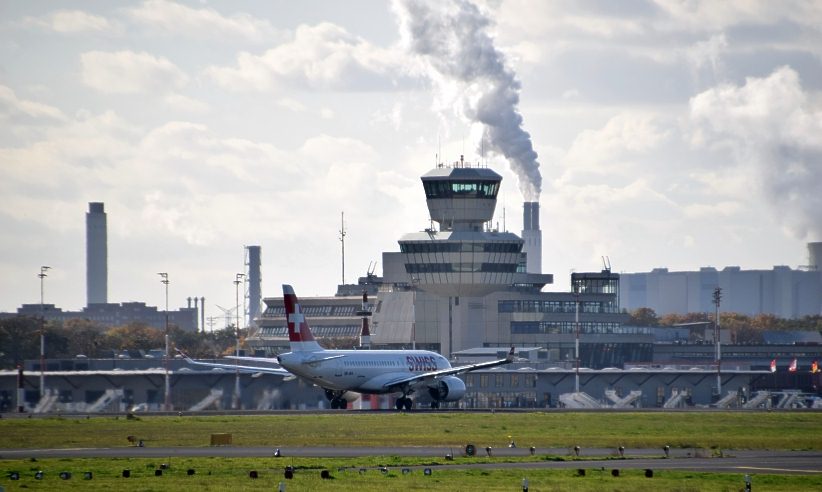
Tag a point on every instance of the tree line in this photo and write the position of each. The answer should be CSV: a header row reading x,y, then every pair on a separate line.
x,y
744,328
20,340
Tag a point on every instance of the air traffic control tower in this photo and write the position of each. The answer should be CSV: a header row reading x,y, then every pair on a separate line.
x,y
463,257
443,286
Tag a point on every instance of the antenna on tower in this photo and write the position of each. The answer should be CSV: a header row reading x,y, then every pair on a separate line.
x,y
342,242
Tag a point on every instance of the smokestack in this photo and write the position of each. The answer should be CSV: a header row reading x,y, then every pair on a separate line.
x,y
365,334
254,277
532,235
453,40
815,256
196,314
96,255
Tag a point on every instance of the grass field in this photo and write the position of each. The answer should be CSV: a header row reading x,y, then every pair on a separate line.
x,y
723,430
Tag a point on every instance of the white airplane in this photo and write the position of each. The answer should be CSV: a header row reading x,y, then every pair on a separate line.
x,y
345,373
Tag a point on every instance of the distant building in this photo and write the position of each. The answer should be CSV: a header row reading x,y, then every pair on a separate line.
x,y
110,314
782,291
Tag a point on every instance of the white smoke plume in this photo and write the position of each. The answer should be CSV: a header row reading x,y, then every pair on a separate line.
x,y
772,126
451,38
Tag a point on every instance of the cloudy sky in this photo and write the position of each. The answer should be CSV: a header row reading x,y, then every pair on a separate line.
x,y
666,134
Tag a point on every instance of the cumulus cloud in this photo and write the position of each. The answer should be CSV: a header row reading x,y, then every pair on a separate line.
x,y
620,144
74,21
770,125
186,104
129,72
11,106
708,54
204,23
719,15
324,56
712,210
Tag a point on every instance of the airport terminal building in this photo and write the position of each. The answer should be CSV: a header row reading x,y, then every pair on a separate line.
x,y
463,284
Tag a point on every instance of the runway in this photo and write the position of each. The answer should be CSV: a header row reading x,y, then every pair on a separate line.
x,y
730,461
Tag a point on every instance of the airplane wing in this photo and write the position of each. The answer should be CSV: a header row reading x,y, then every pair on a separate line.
x,y
277,371
317,360
450,371
268,360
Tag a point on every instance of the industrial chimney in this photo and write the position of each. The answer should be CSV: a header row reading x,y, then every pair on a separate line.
x,y
815,256
96,255
532,235
254,277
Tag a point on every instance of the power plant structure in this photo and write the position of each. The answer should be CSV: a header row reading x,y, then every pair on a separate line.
x,y
782,291
532,237
253,276
98,309
96,255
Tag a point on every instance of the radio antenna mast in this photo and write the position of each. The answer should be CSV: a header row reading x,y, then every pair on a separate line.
x,y
342,242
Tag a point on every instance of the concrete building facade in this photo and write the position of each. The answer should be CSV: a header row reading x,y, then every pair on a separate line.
x,y
112,314
782,291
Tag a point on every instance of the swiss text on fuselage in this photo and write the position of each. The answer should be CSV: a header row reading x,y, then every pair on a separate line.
x,y
421,363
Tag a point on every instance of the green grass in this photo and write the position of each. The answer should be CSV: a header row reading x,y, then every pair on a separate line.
x,y
213,474
723,430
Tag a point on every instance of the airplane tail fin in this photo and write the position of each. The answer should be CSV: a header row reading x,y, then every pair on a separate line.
x,y
299,334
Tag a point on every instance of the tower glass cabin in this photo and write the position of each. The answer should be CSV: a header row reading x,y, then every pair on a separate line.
x,y
463,257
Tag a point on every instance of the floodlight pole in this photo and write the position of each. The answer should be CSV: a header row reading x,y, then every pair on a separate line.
x,y
167,398
717,299
414,281
576,342
42,276
237,396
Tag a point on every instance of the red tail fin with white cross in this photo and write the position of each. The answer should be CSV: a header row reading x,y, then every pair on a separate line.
x,y
299,334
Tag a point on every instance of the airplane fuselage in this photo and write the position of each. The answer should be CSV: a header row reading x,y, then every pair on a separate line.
x,y
362,371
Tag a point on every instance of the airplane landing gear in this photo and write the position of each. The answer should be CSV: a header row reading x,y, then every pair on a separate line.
x,y
435,404
404,403
336,399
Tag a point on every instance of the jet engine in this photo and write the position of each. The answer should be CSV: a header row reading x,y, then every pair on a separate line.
x,y
348,396
449,388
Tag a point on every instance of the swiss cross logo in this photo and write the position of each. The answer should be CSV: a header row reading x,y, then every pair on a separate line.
x,y
296,317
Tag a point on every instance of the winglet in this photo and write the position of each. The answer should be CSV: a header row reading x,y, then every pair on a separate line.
x,y
510,356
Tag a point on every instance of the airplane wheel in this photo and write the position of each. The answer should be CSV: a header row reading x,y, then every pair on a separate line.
x,y
400,403
435,405
335,404
409,403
